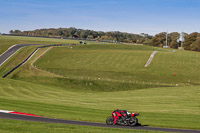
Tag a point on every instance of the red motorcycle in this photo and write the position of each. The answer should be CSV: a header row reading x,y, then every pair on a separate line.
x,y
121,119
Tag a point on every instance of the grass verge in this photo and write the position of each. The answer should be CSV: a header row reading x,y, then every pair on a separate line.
x,y
179,108
14,126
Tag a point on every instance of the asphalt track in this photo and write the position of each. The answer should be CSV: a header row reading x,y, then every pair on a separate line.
x,y
83,123
7,54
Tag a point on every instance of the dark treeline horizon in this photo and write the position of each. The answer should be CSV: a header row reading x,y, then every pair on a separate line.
x,y
73,32
174,40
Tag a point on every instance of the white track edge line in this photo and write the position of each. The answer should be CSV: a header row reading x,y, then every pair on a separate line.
x,y
6,111
8,49
10,56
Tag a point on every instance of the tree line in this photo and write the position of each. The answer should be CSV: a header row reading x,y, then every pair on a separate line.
x,y
174,39
72,32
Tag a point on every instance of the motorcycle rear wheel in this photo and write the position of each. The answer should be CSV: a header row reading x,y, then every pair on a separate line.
x,y
110,121
133,121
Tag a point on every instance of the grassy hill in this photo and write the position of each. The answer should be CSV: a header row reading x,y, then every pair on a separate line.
x,y
96,79
7,41
177,108
101,68
119,64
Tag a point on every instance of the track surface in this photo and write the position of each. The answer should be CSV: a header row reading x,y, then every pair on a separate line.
x,y
7,54
51,120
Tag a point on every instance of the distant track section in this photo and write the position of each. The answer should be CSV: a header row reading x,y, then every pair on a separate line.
x,y
7,54
150,58
6,115
11,51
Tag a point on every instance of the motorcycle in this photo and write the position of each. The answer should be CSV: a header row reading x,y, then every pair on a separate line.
x,y
129,120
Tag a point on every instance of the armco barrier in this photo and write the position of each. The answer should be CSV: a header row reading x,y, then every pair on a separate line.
x,y
31,55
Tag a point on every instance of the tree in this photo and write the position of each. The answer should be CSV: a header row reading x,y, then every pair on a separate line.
x,y
80,33
16,32
147,41
159,39
173,39
189,40
11,32
195,46
90,37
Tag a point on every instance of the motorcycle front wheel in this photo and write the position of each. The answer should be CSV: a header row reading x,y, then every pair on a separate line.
x,y
133,121
110,121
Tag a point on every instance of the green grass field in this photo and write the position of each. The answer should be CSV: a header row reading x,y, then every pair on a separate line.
x,y
124,64
96,79
7,41
177,108
8,126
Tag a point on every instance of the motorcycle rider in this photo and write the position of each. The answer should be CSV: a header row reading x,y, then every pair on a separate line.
x,y
116,114
124,114
120,113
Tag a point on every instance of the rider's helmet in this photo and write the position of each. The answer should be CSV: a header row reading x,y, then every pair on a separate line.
x,y
116,110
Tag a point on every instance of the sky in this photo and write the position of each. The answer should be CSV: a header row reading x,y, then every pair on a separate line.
x,y
132,16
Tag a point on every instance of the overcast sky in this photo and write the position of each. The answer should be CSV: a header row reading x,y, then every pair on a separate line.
x,y
132,16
